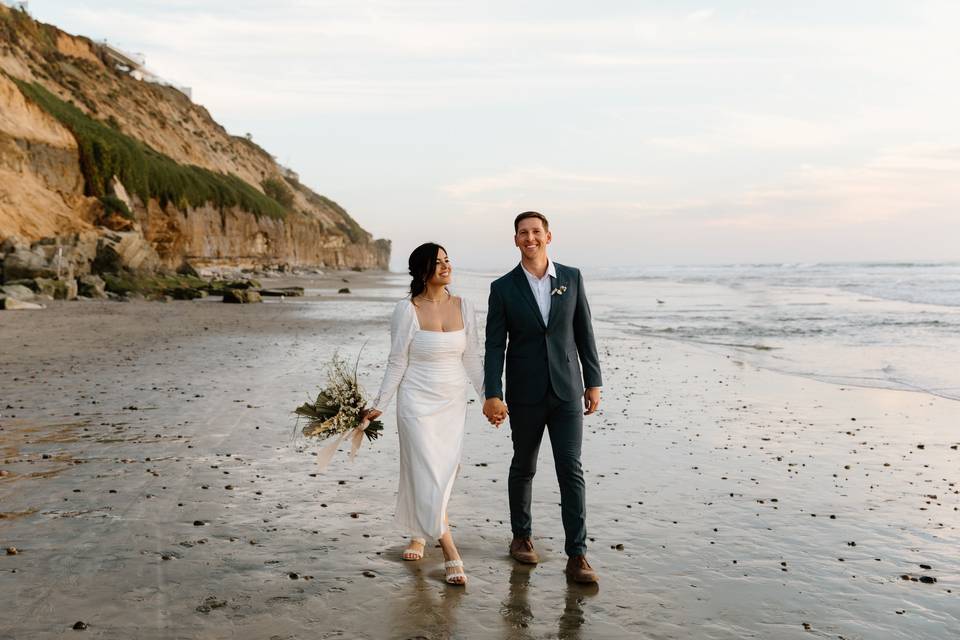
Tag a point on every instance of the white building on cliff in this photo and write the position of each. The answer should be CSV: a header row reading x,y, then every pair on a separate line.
x,y
135,65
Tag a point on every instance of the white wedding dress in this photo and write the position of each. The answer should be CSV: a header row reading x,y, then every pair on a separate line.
x,y
429,372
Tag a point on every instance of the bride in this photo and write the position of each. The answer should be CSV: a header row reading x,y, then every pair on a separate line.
x,y
435,350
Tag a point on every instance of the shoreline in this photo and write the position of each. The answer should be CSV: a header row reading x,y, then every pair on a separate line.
x,y
710,472
825,378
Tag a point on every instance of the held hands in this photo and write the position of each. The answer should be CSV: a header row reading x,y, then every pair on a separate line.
x,y
591,400
495,411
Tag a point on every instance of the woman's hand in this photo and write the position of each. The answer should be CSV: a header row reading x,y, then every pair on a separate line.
x,y
371,414
367,417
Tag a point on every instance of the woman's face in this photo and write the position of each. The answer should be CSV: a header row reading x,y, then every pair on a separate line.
x,y
443,274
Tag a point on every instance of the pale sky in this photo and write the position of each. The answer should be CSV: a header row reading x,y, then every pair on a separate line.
x,y
648,132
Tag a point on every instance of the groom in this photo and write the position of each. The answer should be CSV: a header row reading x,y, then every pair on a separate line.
x,y
538,314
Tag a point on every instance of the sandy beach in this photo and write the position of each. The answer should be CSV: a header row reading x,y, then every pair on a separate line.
x,y
152,488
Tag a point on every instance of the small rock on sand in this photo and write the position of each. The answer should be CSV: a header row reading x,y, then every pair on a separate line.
x,y
12,304
211,603
241,296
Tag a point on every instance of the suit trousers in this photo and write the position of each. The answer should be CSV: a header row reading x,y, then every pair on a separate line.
x,y
563,419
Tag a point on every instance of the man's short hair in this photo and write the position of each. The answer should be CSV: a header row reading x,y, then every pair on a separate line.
x,y
530,214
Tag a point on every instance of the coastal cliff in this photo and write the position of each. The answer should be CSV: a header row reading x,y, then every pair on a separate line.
x,y
88,148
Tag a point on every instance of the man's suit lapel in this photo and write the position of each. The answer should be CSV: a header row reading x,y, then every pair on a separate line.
x,y
556,300
520,280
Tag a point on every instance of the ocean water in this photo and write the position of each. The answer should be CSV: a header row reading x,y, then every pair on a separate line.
x,y
888,325
868,324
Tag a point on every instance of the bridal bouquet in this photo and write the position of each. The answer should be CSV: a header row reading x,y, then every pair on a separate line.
x,y
336,412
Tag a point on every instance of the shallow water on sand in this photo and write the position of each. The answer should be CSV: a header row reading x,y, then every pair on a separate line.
x,y
748,503
893,326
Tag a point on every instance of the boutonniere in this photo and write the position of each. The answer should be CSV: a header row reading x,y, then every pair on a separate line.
x,y
559,291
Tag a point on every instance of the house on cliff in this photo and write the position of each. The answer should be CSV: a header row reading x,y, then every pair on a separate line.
x,y
135,64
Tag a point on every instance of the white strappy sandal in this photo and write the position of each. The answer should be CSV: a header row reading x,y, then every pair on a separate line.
x,y
452,578
412,554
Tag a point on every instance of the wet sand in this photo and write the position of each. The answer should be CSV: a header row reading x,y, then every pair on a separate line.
x,y
151,485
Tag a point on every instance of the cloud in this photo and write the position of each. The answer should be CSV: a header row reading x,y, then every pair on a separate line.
x,y
757,131
899,184
366,49
701,15
896,184
538,179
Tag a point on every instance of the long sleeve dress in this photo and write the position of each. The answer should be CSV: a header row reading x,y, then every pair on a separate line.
x,y
429,372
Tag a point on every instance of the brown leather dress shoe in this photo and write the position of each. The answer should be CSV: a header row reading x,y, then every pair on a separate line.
x,y
521,549
579,570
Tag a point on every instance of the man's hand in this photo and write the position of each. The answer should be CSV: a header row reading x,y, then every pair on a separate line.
x,y
591,400
495,411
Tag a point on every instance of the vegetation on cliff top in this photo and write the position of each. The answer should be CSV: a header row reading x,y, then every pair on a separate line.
x,y
16,25
350,227
106,152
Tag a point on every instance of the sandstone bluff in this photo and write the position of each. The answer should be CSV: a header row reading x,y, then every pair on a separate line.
x,y
104,173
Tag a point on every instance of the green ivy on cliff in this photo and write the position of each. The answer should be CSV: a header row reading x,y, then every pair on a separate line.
x,y
113,204
106,152
278,190
350,227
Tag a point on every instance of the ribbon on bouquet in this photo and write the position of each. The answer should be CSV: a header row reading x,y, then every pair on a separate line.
x,y
356,439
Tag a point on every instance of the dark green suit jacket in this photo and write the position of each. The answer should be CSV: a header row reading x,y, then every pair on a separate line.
x,y
539,357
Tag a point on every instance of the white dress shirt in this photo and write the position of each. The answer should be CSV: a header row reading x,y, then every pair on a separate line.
x,y
541,288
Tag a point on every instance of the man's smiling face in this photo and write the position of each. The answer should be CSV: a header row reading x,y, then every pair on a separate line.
x,y
532,239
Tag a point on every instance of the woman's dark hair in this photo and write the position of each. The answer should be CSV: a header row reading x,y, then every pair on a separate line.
x,y
422,265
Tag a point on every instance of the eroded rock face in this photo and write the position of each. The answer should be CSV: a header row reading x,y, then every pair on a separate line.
x,y
27,264
17,291
91,286
57,289
124,251
58,256
69,255
207,237
42,187
11,244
